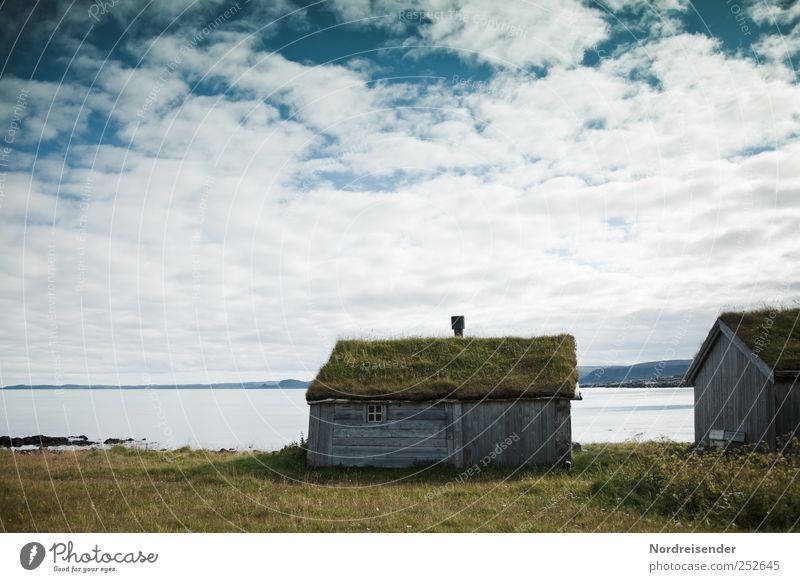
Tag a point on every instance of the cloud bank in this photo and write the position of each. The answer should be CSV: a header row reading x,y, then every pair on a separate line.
x,y
218,194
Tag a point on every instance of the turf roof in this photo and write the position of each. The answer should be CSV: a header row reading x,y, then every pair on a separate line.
x,y
448,368
772,334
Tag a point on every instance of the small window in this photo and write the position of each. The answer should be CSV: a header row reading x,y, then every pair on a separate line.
x,y
375,412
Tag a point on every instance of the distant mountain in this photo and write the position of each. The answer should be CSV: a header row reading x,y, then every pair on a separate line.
x,y
292,383
665,372
583,370
265,385
668,372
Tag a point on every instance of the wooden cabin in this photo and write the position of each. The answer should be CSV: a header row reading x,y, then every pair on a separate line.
x,y
746,379
459,401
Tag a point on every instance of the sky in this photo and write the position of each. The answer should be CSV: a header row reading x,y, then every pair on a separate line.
x,y
216,191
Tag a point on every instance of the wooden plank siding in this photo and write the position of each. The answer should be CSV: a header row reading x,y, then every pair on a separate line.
x,y
455,437
320,434
540,431
787,407
410,433
731,393
457,433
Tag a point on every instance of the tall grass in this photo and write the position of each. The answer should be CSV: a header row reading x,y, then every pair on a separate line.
x,y
739,489
612,487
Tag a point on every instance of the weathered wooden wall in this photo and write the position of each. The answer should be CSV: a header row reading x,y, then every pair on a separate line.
x,y
461,434
412,433
540,432
733,394
320,434
787,407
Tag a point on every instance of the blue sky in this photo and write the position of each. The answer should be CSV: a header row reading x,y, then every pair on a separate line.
x,y
218,190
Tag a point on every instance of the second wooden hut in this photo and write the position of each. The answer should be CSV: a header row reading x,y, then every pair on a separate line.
x,y
746,379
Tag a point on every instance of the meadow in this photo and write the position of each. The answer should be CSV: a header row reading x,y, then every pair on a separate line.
x,y
621,487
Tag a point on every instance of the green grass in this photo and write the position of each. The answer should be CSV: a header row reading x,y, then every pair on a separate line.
x,y
771,332
621,487
460,368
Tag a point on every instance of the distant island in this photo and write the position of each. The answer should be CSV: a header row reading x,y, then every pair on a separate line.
x,y
289,383
661,373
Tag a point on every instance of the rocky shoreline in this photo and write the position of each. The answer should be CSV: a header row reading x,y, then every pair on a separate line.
x,y
43,441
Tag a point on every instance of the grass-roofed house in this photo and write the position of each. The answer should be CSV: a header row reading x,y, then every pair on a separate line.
x,y
746,378
400,402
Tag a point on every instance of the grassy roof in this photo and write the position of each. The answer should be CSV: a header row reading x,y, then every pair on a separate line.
x,y
773,334
456,368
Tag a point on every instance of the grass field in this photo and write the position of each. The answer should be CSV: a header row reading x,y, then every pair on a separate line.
x,y
655,486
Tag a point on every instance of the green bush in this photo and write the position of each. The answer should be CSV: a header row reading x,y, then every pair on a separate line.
x,y
294,451
739,489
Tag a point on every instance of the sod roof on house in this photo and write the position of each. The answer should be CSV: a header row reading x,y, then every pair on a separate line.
x,y
448,368
772,334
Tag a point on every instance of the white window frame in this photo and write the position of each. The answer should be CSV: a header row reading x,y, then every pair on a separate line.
x,y
375,413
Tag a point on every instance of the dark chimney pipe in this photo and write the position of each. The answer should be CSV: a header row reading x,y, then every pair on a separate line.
x,y
457,323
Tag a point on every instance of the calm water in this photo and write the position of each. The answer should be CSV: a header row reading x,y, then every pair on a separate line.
x,y
621,414
269,419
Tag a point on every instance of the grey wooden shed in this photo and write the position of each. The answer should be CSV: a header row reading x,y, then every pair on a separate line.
x,y
457,401
746,379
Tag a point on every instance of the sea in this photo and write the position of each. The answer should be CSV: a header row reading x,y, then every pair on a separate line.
x,y
268,419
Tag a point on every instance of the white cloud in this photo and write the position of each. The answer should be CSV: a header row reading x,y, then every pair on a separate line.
x,y
764,12
218,238
782,44
502,34
43,111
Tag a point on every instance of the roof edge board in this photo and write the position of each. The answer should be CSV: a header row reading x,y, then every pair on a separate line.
x,y
720,327
752,356
694,367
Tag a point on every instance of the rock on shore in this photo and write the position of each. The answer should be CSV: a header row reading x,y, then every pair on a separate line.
x,y
41,440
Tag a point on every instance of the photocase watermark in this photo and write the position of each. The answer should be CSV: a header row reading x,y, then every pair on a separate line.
x,y
558,500
475,469
740,15
482,20
83,225
675,342
52,315
162,423
330,165
761,341
196,241
10,136
614,354
482,87
353,362
94,560
101,8
764,336
597,51
31,555
17,111
170,67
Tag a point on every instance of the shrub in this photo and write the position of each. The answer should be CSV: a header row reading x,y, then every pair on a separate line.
x,y
295,450
736,489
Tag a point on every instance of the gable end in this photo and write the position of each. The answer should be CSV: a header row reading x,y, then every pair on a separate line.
x,y
720,328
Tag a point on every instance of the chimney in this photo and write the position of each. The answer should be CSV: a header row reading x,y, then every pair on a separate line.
x,y
457,323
